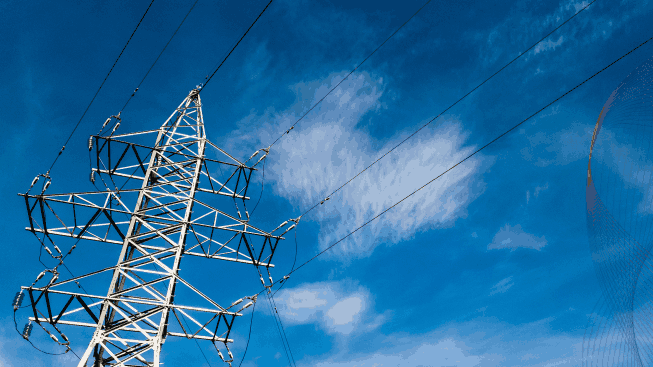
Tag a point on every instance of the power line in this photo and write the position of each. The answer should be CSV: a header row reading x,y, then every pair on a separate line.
x,y
277,320
198,344
351,72
262,186
161,53
271,297
232,50
448,108
249,335
418,130
98,91
292,271
471,155
141,82
37,348
293,265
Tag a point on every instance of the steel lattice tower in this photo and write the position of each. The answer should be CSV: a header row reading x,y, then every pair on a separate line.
x,y
166,220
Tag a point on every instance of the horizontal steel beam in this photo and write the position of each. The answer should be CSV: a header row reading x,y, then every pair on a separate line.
x,y
181,335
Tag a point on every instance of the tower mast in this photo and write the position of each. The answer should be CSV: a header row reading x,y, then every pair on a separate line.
x,y
169,219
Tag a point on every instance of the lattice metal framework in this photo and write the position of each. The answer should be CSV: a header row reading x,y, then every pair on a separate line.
x,y
157,221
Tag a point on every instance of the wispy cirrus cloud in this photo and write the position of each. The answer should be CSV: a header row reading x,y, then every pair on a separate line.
x,y
447,352
327,148
598,22
513,237
468,343
502,286
536,192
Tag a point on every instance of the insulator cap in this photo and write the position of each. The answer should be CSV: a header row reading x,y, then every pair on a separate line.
x,y
288,230
41,274
262,158
254,155
280,225
249,304
54,278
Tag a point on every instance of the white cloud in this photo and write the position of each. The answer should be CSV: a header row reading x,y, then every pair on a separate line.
x,y
344,311
547,45
532,27
484,342
514,237
536,192
446,352
303,304
596,23
326,149
539,189
339,307
502,286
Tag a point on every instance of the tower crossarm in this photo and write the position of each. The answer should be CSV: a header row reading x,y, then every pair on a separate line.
x,y
124,160
104,217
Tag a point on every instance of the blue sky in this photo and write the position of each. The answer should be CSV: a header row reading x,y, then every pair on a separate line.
x,y
488,266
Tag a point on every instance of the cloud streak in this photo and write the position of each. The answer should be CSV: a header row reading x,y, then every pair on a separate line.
x,y
465,344
328,148
338,307
514,237
502,286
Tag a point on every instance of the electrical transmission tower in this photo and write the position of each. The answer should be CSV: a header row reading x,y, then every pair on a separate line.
x,y
163,209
